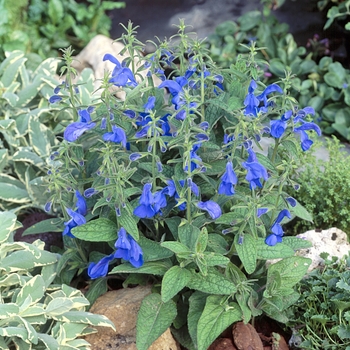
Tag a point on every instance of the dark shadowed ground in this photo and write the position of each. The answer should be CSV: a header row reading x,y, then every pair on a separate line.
x,y
157,17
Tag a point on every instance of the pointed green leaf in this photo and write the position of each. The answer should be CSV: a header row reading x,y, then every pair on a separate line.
x,y
197,303
278,251
38,137
99,230
216,317
247,252
212,283
174,281
149,267
188,235
154,317
153,250
12,193
35,287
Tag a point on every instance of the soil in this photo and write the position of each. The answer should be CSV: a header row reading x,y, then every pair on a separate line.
x,y
50,238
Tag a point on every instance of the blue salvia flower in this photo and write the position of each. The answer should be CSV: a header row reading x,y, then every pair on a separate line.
x,y
306,143
100,269
89,192
211,207
276,229
175,88
150,104
228,181
128,249
77,216
261,211
74,130
117,135
255,104
54,99
146,207
194,155
256,171
121,75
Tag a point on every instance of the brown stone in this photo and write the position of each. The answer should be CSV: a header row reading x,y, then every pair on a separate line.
x,y
246,337
222,344
121,307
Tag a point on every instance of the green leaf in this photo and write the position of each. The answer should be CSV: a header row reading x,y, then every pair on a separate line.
x,y
58,306
214,259
55,11
127,220
99,230
291,270
247,252
216,317
173,281
49,225
176,247
154,317
152,250
8,224
196,306
11,72
278,251
301,212
173,224
212,283
150,267
296,243
188,235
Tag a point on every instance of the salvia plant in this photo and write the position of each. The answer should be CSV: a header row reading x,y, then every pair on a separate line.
x,y
36,313
171,185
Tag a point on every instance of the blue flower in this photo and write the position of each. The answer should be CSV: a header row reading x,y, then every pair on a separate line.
x,y
150,104
74,130
261,211
175,88
306,143
81,203
117,135
128,249
100,269
291,201
278,127
145,209
89,192
194,155
211,207
276,229
77,216
76,220
251,102
121,75
256,171
54,99
255,104
228,180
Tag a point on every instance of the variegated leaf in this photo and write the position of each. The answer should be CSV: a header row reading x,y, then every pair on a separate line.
x,y
25,155
35,287
14,194
8,224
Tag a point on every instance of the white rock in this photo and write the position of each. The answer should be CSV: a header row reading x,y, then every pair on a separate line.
x,y
92,57
332,241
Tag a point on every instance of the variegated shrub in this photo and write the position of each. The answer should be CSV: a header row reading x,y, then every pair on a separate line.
x,y
34,312
29,127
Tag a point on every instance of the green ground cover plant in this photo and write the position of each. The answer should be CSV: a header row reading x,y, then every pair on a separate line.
x,y
44,27
168,186
316,81
324,189
321,317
